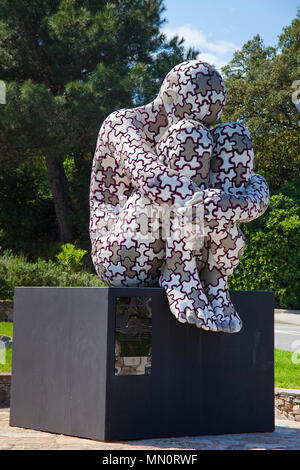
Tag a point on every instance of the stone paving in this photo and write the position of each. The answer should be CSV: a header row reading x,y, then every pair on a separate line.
x,y
285,437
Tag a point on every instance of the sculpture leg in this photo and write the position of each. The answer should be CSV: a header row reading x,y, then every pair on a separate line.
x,y
186,147
126,254
180,278
231,168
214,280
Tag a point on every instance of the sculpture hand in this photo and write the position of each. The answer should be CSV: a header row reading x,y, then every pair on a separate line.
x,y
237,208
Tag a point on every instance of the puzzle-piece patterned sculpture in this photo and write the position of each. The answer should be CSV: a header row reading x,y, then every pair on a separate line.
x,y
168,158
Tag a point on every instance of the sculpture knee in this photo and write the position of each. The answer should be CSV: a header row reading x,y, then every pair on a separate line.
x,y
232,157
187,148
120,259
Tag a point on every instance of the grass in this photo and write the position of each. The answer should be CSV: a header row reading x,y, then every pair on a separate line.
x,y
6,367
287,372
6,328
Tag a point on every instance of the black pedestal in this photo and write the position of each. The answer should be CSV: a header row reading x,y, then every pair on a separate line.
x,y
64,378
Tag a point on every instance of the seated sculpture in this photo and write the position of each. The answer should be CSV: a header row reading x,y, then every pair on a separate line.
x,y
169,156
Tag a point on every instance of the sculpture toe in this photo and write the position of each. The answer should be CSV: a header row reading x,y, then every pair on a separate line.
x,y
191,317
232,325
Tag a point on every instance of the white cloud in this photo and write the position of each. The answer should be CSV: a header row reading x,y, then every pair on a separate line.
x,y
218,52
212,59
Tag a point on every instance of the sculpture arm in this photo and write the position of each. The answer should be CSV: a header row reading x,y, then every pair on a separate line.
x,y
127,142
241,208
256,197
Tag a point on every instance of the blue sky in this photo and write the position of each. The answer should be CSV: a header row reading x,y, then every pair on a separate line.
x,y
218,27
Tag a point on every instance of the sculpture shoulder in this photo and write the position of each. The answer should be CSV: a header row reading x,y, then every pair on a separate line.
x,y
257,182
122,116
119,123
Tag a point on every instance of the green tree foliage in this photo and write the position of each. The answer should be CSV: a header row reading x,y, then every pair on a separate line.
x,y
27,216
68,64
259,83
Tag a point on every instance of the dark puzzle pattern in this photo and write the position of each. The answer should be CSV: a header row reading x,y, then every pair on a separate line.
x,y
168,190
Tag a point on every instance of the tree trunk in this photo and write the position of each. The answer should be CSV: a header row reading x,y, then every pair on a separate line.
x,y
79,162
62,202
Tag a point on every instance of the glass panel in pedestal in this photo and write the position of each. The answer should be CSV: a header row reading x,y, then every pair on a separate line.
x,y
133,336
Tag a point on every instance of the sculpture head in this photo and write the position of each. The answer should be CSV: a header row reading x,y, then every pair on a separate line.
x,y
193,90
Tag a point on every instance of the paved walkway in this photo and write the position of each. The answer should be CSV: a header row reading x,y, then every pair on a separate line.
x,y
289,317
287,330
285,437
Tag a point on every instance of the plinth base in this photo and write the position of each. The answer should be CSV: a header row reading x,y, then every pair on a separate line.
x,y
64,379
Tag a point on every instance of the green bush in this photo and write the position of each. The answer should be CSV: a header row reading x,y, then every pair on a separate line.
x,y
70,258
271,260
15,270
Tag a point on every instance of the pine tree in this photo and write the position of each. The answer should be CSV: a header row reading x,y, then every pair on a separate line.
x,y
67,64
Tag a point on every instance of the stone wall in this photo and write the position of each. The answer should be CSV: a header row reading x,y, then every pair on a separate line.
x,y
5,380
6,310
287,401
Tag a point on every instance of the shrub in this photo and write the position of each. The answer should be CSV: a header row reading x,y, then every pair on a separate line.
x,y
15,270
70,258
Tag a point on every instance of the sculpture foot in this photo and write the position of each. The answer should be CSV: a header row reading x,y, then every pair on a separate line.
x,y
188,301
216,289
231,325
228,318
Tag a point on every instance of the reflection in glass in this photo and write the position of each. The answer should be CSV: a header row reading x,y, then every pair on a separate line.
x,y
133,336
